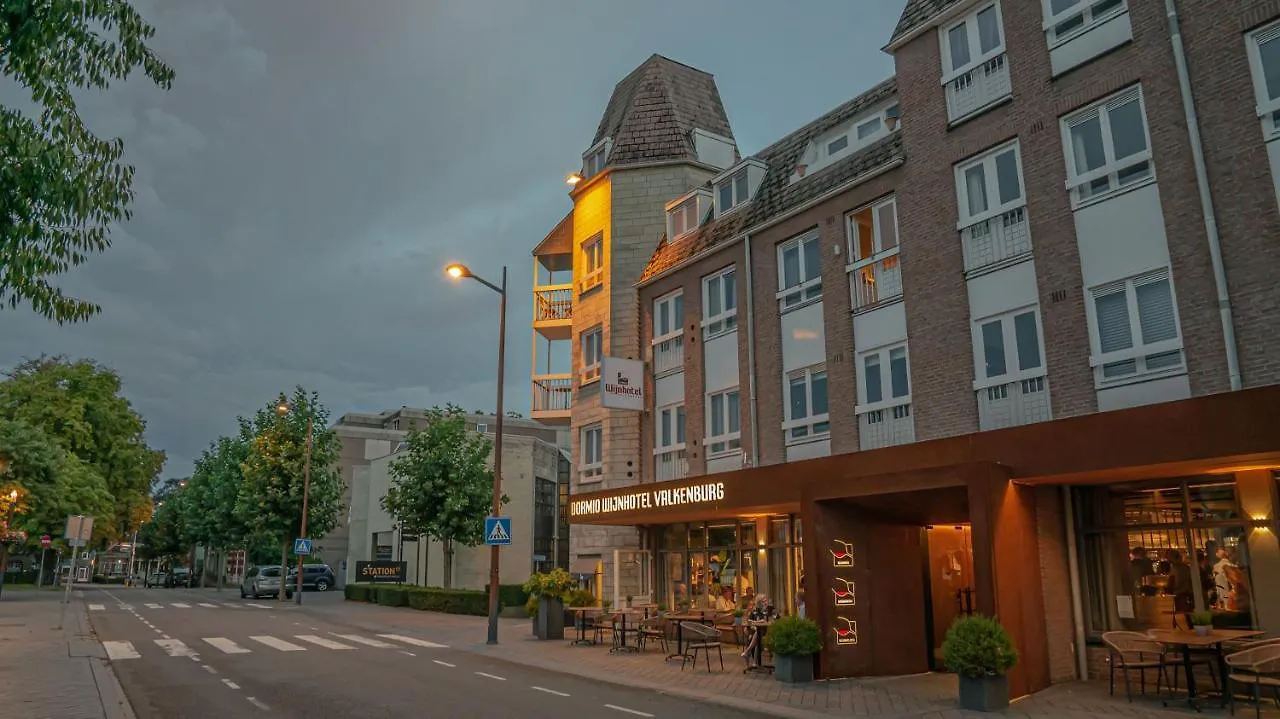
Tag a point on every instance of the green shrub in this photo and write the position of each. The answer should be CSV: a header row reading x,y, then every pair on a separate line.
x,y
793,637
449,601
1202,619
556,584
977,646
531,606
581,598
357,592
393,596
510,595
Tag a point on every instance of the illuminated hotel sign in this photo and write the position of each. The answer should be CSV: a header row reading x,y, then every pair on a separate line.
x,y
842,557
847,634
649,499
844,596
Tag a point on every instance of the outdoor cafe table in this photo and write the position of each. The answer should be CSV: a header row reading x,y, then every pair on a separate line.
x,y
677,618
1189,641
620,631
580,620
755,663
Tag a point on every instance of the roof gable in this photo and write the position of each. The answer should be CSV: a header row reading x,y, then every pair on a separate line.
x,y
917,13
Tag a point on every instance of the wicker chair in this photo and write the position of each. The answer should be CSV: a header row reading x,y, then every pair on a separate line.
x,y
1258,667
602,623
701,638
651,629
1133,650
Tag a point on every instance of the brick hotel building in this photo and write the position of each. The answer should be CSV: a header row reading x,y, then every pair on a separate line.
x,y
962,344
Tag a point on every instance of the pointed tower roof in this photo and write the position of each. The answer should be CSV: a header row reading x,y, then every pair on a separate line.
x,y
654,109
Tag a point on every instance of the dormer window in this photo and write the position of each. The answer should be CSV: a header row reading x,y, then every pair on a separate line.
x,y
845,139
593,160
735,186
684,217
837,145
733,191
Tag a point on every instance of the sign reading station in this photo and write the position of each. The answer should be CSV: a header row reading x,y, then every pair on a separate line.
x,y
381,571
649,499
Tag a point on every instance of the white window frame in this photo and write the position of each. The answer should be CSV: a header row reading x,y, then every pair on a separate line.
x,y
812,427
590,372
599,154
1111,169
808,290
730,441
1138,352
726,321
851,233
885,356
991,174
1085,8
669,416
739,186
592,249
677,318
688,207
976,57
482,428
1009,337
591,469
1267,108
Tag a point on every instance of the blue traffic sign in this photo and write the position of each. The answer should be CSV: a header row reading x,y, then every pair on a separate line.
x,y
497,531
302,547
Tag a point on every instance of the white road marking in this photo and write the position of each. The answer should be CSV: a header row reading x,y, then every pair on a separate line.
x,y
174,647
628,711
96,607
258,704
362,640
322,642
415,642
120,650
443,664
166,636
550,691
226,646
259,606
128,607
230,606
408,654
152,605
180,605
206,605
491,676
280,644
230,683
209,669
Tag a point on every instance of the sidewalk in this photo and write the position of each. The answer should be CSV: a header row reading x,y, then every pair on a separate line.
x,y
928,696
47,673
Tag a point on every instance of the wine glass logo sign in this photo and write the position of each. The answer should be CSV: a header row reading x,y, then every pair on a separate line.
x,y
844,595
848,634
844,556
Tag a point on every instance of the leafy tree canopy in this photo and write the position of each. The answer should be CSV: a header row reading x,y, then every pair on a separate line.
x,y
61,186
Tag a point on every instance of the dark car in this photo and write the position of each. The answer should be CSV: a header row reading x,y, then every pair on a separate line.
x,y
319,577
179,577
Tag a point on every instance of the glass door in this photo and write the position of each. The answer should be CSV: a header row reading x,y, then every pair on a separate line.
x,y
949,582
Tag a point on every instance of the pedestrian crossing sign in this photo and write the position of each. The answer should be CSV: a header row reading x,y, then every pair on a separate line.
x,y
302,547
497,531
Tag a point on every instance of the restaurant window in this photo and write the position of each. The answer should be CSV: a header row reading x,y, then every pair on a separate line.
x,y
1153,552
724,564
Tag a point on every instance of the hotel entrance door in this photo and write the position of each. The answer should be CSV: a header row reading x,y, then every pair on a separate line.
x,y
949,583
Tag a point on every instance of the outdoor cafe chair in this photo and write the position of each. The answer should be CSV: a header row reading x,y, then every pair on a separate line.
x,y
1133,650
653,628
1259,667
701,638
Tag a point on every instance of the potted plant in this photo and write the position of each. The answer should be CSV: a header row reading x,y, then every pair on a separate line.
x,y
980,652
551,589
1202,622
662,608
793,641
607,604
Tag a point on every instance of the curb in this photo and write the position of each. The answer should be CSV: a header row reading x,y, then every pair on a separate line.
x,y
115,704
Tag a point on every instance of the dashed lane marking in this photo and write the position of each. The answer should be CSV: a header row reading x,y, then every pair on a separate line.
x,y
627,711
491,676
230,683
257,606
550,691
258,704
443,664
97,607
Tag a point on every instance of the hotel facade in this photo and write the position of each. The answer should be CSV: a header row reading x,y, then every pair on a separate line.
x,y
998,335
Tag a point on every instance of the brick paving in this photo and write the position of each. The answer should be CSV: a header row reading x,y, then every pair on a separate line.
x,y
928,696
51,673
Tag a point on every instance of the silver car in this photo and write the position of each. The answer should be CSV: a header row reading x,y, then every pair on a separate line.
x,y
262,581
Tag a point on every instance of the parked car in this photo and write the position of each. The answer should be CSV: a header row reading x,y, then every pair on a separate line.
x,y
263,581
157,579
319,577
179,577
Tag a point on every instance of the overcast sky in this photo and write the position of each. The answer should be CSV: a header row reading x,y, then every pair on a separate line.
x,y
318,161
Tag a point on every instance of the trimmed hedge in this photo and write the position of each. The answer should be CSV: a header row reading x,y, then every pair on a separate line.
x,y
430,599
509,595
357,592
393,596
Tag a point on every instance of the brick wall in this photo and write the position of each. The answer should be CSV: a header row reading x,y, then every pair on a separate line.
x,y
1055,579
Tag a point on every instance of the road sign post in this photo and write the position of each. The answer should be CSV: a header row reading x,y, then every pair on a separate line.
x,y
497,531
302,547
78,537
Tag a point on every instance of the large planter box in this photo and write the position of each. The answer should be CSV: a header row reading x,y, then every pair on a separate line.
x,y
795,669
549,624
984,694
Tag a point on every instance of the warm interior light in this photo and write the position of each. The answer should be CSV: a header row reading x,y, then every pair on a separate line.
x,y
573,178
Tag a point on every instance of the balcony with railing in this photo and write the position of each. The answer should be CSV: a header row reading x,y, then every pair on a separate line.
x,y
886,427
553,310
671,464
983,85
552,398
1015,403
996,240
875,280
668,356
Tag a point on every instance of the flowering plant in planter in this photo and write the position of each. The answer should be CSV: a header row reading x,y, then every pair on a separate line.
x,y
547,594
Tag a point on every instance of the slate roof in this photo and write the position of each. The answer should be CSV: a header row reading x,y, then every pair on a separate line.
x,y
777,194
654,109
917,13
560,240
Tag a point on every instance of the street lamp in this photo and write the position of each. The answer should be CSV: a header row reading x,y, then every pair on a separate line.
x,y
4,541
458,271
283,409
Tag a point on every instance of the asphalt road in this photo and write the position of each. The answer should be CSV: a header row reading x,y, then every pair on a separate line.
x,y
192,655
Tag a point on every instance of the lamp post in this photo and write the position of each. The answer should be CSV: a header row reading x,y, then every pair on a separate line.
x,y
283,409
458,271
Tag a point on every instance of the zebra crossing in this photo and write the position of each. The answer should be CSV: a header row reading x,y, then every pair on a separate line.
x,y
189,605
118,650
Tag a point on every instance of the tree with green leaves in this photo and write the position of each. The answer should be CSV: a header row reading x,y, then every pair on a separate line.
x,y
269,503
441,484
78,405
61,186
214,489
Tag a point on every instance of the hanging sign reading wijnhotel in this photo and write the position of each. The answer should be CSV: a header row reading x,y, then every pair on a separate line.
x,y
622,384
649,499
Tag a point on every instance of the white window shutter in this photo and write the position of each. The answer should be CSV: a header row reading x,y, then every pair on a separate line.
x,y
1114,331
